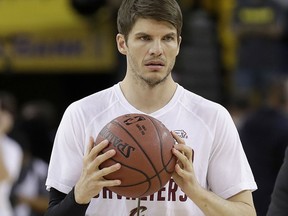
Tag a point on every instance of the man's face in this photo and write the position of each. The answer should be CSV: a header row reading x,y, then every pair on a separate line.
x,y
6,122
151,50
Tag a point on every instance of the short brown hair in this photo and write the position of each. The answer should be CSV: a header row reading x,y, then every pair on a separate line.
x,y
162,10
8,102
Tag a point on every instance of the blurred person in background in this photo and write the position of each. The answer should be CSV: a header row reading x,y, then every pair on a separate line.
x,y
38,123
278,205
35,130
10,152
261,31
264,137
29,196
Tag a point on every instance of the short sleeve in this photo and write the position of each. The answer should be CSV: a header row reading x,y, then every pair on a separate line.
x,y
229,171
68,150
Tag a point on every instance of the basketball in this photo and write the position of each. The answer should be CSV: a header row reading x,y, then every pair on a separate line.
x,y
144,149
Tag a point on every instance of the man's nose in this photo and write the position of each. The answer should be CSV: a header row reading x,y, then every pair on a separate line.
x,y
156,48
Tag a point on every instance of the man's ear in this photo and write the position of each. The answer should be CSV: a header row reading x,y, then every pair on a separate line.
x,y
179,40
121,44
179,44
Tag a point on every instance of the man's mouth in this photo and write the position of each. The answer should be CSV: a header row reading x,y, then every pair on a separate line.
x,y
155,63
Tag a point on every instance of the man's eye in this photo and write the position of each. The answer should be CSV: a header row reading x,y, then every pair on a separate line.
x,y
144,38
168,38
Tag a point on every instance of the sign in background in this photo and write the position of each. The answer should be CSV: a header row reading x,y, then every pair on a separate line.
x,y
48,35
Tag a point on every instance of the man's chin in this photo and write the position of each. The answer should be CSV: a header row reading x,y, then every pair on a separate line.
x,y
152,82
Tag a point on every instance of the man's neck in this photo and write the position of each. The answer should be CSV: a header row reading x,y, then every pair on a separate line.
x,y
148,99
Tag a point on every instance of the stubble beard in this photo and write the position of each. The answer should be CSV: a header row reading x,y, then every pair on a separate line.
x,y
150,81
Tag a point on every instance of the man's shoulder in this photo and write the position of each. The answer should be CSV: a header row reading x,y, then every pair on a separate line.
x,y
192,99
92,106
12,146
99,98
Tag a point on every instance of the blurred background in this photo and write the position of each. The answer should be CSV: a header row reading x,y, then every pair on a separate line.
x,y
234,52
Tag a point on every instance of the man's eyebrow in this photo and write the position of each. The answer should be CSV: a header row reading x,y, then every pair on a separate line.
x,y
141,34
172,34
146,34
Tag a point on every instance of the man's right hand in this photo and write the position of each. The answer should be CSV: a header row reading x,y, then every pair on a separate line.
x,y
91,180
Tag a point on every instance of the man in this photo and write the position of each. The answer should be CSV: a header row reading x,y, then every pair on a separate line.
x,y
260,27
218,182
29,196
266,128
10,152
278,205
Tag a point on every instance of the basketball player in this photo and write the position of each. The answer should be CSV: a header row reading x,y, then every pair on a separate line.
x,y
11,154
218,182
278,205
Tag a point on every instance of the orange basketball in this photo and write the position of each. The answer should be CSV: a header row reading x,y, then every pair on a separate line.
x,y
144,149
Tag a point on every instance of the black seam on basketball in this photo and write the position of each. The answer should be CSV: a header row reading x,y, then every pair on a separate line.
x,y
161,147
147,156
165,166
148,179
132,168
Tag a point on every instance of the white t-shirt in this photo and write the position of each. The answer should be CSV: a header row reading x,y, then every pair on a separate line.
x,y
220,163
12,157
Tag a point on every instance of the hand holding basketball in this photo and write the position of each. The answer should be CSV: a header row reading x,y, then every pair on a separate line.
x,y
143,147
89,183
184,174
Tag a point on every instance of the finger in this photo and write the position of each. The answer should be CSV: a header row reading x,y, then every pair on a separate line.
x,y
90,145
110,183
98,147
103,157
178,139
95,151
186,150
107,170
184,161
192,152
183,173
179,154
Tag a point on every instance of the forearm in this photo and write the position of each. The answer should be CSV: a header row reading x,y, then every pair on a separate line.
x,y
4,174
60,205
38,204
213,205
